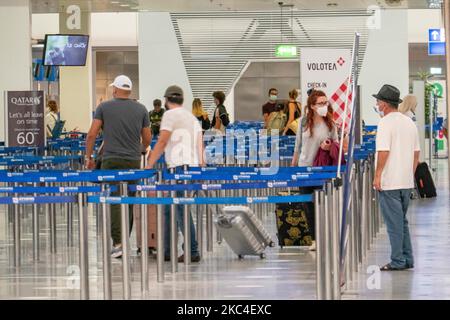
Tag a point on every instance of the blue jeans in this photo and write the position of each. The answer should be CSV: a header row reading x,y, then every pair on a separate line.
x,y
394,206
179,209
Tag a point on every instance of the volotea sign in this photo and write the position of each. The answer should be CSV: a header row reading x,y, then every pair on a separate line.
x,y
327,70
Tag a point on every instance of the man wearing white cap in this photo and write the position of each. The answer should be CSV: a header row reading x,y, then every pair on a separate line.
x,y
126,128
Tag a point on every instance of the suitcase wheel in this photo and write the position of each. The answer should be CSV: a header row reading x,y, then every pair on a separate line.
x,y
272,244
262,256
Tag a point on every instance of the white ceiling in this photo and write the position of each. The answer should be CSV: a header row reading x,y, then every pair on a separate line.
x,y
52,6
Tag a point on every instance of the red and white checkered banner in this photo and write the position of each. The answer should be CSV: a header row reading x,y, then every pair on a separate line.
x,y
342,113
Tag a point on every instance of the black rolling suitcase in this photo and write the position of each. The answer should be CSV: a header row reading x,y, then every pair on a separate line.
x,y
424,181
292,224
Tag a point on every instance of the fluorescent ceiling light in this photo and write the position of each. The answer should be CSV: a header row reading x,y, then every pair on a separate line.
x,y
436,70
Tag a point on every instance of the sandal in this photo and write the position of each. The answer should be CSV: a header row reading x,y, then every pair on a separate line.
x,y
388,267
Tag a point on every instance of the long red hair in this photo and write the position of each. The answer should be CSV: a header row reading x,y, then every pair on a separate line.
x,y
312,100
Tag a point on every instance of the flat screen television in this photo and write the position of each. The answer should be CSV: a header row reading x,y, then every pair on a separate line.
x,y
66,50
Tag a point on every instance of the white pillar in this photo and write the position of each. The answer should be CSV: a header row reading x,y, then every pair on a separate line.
x,y
76,82
160,61
15,53
419,92
447,35
386,60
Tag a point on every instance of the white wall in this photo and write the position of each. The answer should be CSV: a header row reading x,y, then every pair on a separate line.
x,y
160,60
386,60
108,29
15,55
45,23
420,20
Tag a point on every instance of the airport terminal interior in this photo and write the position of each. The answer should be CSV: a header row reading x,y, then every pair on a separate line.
x,y
293,192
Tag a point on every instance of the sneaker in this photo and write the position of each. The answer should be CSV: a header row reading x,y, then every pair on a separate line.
x,y
313,247
194,259
116,252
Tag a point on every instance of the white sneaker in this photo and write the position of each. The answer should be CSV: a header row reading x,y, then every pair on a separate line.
x,y
116,252
313,246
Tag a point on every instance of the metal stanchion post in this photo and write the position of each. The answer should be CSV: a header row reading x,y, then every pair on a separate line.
x,y
327,241
199,214
352,239
318,205
187,228
126,272
144,247
35,229
17,245
173,232
336,244
84,254
368,208
53,226
160,221
106,247
209,229
364,213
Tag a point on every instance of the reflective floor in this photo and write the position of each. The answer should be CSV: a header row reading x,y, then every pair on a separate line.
x,y
285,275
430,233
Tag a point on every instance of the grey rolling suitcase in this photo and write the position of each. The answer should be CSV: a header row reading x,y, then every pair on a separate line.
x,y
243,232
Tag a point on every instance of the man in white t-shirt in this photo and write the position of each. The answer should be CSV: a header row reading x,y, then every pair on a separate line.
x,y
181,140
398,151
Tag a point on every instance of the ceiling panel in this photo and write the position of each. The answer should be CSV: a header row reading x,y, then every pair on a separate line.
x,y
216,46
49,6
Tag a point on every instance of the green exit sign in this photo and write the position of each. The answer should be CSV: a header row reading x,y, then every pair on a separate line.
x,y
286,51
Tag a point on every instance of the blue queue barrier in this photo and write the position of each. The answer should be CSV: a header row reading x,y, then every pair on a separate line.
x,y
38,200
200,201
161,187
88,176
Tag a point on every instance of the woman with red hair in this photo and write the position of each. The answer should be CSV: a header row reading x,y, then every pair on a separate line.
x,y
316,130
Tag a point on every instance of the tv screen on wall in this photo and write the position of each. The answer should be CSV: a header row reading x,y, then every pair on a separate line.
x,y
66,50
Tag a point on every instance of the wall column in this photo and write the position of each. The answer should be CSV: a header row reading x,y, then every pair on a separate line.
x,y
15,55
76,82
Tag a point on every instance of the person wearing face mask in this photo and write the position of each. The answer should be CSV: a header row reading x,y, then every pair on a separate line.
x,y
398,152
270,107
316,130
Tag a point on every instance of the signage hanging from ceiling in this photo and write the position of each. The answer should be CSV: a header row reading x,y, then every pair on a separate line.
x,y
436,42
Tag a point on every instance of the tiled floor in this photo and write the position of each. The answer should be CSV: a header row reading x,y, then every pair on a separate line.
x,y
285,274
430,232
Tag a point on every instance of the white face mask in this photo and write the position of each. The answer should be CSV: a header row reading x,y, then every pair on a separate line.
x,y
322,111
377,110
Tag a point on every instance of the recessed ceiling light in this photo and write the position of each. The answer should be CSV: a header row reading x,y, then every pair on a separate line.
x,y
124,5
436,71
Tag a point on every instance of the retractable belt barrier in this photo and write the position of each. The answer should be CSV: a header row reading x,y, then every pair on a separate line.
x,y
80,176
200,201
37,200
